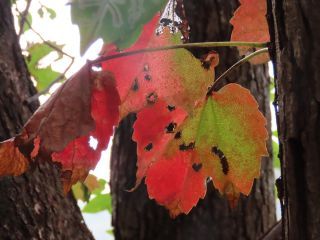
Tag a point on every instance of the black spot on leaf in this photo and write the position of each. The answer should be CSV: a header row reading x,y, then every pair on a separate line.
x,y
147,77
197,166
152,98
171,127
171,108
177,135
223,160
148,147
135,85
184,147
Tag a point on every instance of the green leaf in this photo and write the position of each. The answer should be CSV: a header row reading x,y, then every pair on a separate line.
x,y
43,76
99,203
52,13
26,26
112,20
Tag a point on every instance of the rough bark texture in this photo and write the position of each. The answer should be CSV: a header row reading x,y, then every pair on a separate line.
x,y
294,29
137,217
32,206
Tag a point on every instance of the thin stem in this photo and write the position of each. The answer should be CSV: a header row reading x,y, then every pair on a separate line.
x,y
187,46
48,43
234,66
23,18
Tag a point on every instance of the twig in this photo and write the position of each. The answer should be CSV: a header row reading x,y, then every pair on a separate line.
x,y
47,42
234,66
275,232
187,46
24,18
46,90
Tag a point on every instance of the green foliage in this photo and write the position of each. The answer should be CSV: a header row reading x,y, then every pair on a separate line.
x,y
51,12
43,76
99,203
118,22
29,20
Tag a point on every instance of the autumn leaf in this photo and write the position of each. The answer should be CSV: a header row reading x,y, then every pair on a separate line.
x,y
175,76
154,128
223,139
84,107
250,25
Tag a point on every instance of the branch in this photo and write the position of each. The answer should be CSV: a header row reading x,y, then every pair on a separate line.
x,y
234,66
58,79
47,42
275,232
24,17
186,46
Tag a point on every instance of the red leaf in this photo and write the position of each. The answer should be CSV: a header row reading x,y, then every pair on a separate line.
x,y
173,182
250,25
174,76
86,105
154,128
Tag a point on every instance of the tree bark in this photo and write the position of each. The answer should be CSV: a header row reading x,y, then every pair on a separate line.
x,y
137,217
295,53
32,206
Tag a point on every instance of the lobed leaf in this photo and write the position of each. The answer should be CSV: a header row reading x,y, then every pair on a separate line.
x,y
250,25
115,21
223,139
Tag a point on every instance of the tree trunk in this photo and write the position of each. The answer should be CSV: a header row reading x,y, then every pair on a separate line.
x,y
32,206
295,52
137,217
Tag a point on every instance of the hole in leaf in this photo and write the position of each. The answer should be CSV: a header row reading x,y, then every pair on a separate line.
x,y
171,127
197,166
177,135
223,160
148,147
93,142
152,98
206,65
135,85
171,108
146,68
147,77
184,147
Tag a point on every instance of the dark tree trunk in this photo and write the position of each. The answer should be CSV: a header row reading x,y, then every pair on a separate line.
x,y
32,206
137,217
294,29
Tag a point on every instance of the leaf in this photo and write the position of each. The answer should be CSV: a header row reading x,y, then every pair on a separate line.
x,y
85,105
174,183
224,139
175,76
43,76
99,203
250,25
112,20
153,129
13,162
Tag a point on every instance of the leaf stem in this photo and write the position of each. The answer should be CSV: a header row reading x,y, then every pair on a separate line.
x,y
234,66
186,45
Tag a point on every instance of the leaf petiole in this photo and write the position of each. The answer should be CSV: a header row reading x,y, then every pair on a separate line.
x,y
234,66
186,46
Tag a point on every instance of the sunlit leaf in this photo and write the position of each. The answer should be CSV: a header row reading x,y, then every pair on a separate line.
x,y
99,203
112,20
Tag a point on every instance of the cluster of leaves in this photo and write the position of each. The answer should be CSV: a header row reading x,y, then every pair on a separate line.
x,y
35,53
91,192
185,135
